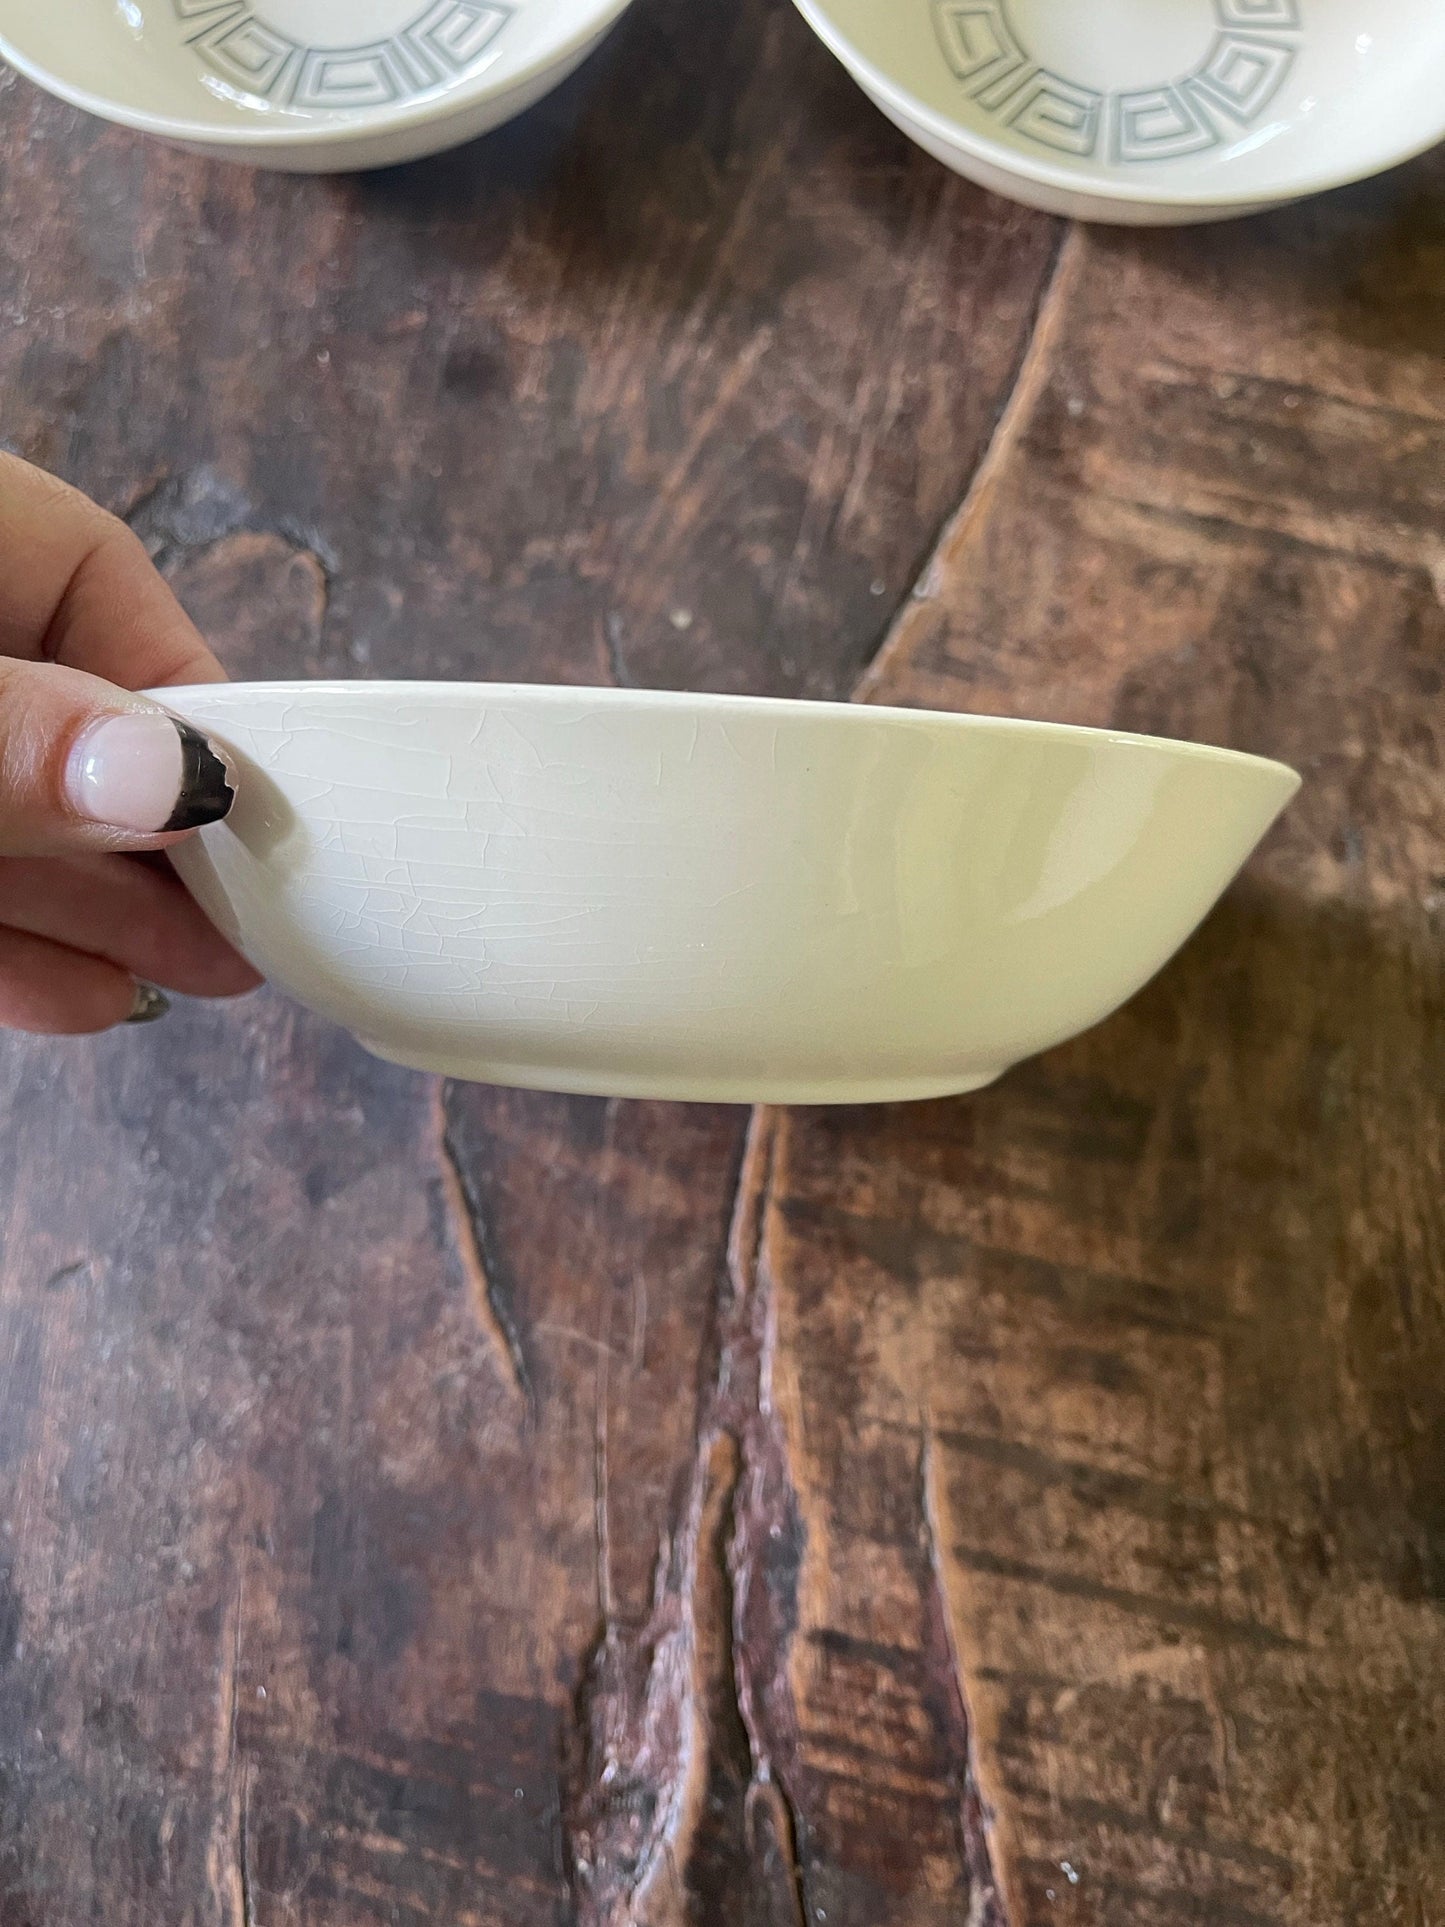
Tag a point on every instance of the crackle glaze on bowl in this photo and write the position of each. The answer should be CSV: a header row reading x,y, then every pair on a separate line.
x,y
1151,111
643,894
306,85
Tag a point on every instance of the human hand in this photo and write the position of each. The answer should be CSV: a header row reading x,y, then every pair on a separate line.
x,y
91,777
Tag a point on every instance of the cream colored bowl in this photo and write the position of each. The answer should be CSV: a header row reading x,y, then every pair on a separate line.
x,y
1151,112
653,895
313,86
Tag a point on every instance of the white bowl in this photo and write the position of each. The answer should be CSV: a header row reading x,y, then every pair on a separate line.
x,y
641,894
313,86
1151,112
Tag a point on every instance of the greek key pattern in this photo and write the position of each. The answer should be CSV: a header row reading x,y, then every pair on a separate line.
x,y
1253,47
442,43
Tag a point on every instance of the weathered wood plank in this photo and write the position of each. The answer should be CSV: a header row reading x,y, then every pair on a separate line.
x,y
384,1473
675,380
456,1505
1162,1317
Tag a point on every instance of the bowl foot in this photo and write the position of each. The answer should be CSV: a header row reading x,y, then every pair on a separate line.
x,y
682,1086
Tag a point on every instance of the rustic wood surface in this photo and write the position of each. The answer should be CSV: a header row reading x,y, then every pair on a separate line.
x,y
428,1504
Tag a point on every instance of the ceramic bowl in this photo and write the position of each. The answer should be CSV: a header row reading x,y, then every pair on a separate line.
x,y
641,894
313,86
1151,112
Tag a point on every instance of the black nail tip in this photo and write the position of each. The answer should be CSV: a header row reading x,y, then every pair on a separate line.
x,y
149,1005
207,792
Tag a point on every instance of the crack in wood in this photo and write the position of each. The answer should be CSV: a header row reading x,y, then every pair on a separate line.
x,y
602,1521
1034,366
636,1715
770,1798
764,1565
636,1791
769,1790
987,1907
479,1259
181,515
243,1849
65,1274
766,1520
228,1852
243,1816
613,635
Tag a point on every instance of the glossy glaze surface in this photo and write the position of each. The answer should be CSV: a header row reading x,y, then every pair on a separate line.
x,y
1151,111
306,85
636,893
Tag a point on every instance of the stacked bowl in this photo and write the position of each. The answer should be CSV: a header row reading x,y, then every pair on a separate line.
x,y
1151,111
310,86
1134,111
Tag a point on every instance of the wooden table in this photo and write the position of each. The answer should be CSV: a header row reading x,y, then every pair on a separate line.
x,y
426,1504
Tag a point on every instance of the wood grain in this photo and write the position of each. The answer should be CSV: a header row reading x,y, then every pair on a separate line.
x,y
1162,1318
427,1503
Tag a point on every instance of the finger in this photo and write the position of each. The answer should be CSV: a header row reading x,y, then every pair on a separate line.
x,y
127,914
46,988
77,587
83,766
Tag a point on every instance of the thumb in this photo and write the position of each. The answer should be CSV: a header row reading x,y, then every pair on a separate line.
x,y
87,766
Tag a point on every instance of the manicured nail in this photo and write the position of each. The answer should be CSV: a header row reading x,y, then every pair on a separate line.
x,y
150,1004
147,772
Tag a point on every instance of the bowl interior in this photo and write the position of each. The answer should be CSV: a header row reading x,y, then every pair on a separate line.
x,y
253,68
1187,99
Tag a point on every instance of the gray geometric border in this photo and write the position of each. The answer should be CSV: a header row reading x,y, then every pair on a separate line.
x,y
1253,48
444,42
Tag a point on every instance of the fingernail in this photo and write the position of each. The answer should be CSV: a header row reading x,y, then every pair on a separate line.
x,y
150,1004
145,771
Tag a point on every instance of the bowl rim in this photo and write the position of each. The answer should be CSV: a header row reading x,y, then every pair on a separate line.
x,y
1101,184
353,126
848,715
